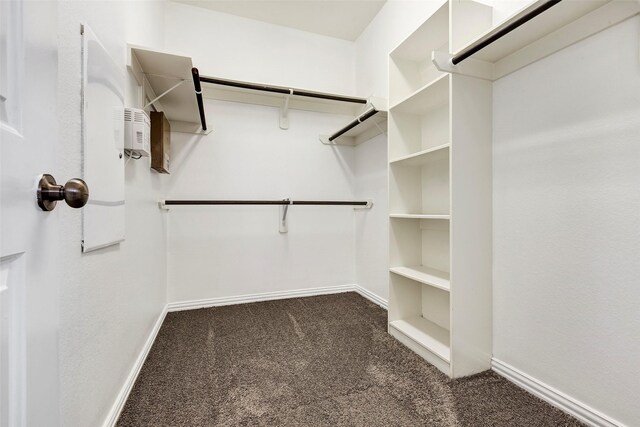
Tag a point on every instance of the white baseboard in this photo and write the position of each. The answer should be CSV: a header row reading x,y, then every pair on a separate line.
x,y
121,399
269,296
376,299
565,403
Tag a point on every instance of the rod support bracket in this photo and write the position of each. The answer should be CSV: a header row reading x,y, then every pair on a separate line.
x,y
471,67
284,111
283,225
369,205
163,206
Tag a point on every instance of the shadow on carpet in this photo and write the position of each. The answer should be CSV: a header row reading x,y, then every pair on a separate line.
x,y
316,361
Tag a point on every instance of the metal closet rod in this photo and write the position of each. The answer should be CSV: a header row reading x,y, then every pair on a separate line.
x,y
282,90
501,32
355,122
198,88
267,202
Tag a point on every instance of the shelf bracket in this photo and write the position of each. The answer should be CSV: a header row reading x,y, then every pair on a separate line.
x,y
470,67
284,111
369,205
284,226
163,94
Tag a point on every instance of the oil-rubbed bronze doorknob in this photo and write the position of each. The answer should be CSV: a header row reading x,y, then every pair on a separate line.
x,y
75,192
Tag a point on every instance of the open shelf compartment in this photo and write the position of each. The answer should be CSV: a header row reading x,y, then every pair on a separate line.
x,y
410,66
422,121
419,318
420,188
423,246
426,98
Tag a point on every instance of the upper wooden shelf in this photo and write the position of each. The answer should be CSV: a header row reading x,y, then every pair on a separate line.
x,y
280,96
158,72
523,40
168,76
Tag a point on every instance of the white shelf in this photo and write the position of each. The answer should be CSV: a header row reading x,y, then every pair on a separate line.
x,y
546,23
421,157
158,72
425,275
227,92
430,96
556,28
425,333
420,216
362,132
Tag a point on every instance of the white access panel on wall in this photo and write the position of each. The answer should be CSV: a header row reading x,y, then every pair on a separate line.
x,y
103,145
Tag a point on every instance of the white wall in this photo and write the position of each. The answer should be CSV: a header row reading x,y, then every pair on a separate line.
x,y
232,47
371,233
395,21
236,250
110,298
566,223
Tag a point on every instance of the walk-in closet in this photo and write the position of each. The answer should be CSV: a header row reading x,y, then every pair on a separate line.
x,y
319,213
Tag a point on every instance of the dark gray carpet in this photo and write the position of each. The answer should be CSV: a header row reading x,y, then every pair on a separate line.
x,y
318,361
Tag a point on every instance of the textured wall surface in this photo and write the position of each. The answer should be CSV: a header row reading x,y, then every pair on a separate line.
x,y
114,295
236,250
220,251
566,223
232,47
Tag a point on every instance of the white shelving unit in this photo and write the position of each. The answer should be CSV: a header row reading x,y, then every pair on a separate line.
x,y
440,196
440,164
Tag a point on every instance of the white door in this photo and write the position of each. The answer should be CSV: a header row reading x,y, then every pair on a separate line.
x,y
29,236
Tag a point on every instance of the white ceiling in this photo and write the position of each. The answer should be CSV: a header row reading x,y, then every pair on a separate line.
x,y
343,19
